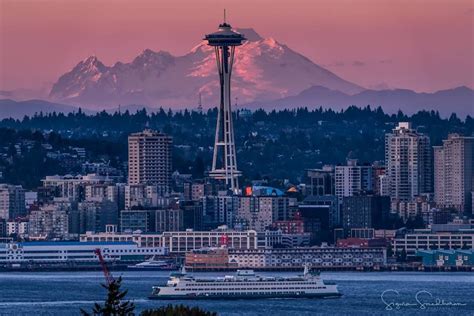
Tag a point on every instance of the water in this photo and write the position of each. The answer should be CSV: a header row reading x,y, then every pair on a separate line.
x,y
64,293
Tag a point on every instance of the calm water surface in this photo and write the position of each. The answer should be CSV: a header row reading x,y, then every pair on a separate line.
x,y
64,293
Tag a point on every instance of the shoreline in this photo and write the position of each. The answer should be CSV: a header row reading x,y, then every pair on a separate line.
x,y
388,268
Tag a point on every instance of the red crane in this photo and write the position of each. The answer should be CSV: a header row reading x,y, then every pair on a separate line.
x,y
108,277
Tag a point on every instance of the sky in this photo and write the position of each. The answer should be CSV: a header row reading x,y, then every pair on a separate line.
x,y
423,45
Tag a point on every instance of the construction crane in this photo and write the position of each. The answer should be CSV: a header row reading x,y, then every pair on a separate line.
x,y
108,277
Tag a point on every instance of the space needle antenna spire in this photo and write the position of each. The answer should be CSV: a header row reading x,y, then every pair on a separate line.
x,y
224,160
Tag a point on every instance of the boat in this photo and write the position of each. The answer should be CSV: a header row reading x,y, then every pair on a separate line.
x,y
244,285
153,264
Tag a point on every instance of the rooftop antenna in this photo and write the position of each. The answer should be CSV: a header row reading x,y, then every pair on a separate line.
x,y
224,18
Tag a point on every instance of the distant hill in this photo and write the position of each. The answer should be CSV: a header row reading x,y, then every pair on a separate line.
x,y
18,109
458,100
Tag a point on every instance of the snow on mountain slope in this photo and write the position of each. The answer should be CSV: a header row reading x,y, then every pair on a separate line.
x,y
264,70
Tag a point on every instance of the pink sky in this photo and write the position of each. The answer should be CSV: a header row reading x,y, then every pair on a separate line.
x,y
421,45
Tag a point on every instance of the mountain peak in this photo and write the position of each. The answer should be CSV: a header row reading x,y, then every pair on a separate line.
x,y
90,64
250,34
90,60
150,52
149,56
271,42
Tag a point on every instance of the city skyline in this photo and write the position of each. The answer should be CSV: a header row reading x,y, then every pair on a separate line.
x,y
371,43
310,161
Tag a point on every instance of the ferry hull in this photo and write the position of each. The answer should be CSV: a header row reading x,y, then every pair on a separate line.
x,y
244,296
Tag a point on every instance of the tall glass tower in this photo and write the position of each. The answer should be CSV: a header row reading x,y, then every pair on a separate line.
x,y
224,161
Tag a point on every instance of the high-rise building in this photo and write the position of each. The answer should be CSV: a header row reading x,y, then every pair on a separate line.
x,y
169,220
353,179
317,216
48,222
328,204
408,163
454,173
259,212
17,228
143,196
71,187
94,216
411,209
192,214
365,211
110,192
138,220
224,161
12,201
218,210
319,181
149,159
378,172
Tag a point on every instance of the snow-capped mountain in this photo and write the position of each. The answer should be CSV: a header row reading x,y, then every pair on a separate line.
x,y
264,70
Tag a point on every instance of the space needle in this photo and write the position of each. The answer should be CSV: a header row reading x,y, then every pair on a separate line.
x,y
224,160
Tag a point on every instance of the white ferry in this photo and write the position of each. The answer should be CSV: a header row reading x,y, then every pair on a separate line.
x,y
244,285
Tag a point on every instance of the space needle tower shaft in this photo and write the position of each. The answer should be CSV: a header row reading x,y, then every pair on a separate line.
x,y
224,160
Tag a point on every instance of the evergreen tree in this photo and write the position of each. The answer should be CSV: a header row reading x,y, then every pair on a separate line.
x,y
178,310
114,304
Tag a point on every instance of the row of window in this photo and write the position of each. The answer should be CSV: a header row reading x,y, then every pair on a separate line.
x,y
253,289
276,282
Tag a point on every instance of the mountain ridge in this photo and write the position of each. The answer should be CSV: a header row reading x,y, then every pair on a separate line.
x,y
18,109
264,70
459,100
315,96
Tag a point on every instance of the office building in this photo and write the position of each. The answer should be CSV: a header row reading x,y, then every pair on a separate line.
x,y
320,215
95,215
110,192
365,211
48,222
144,196
138,220
218,210
320,181
411,209
192,215
70,187
149,159
259,212
329,203
18,228
169,220
378,173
